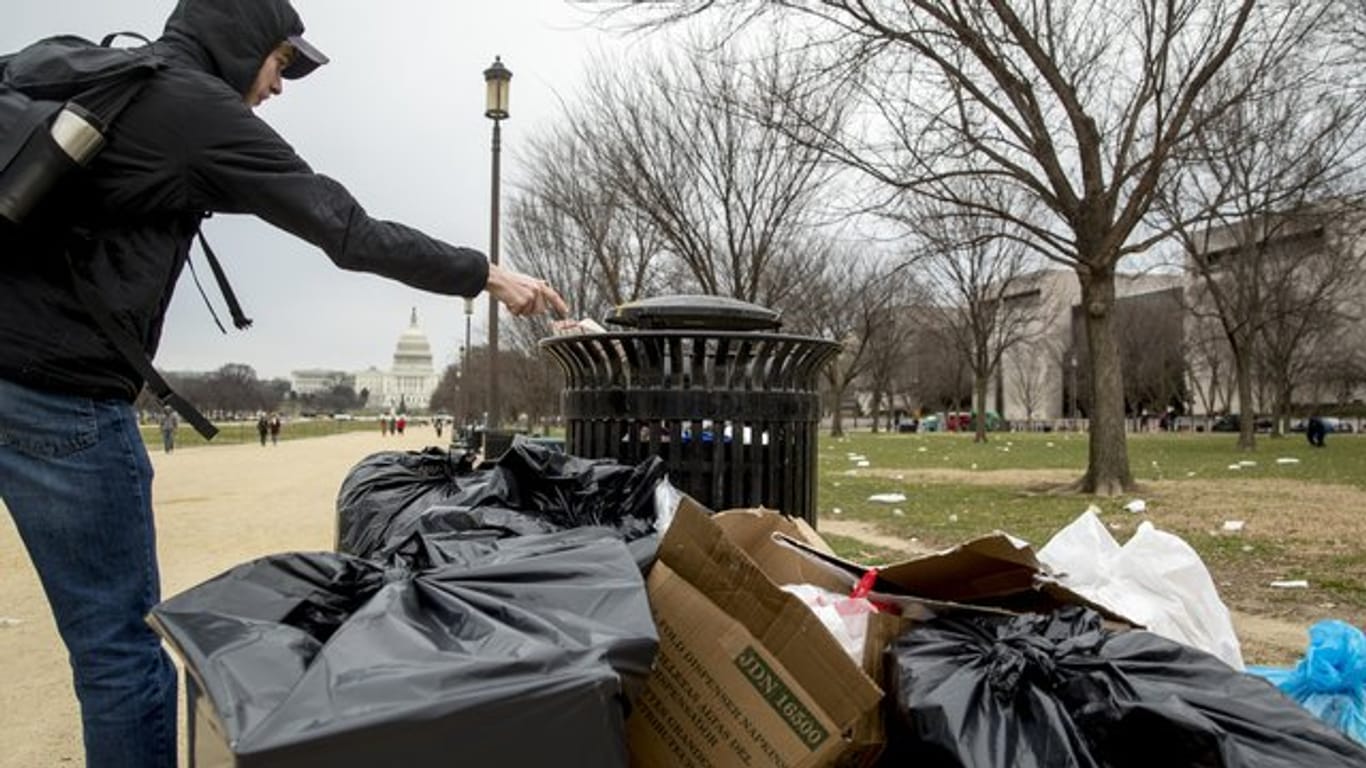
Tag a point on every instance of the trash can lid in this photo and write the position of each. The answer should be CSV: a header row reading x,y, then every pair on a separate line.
x,y
700,312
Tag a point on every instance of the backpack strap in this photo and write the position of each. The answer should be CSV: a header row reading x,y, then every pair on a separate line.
x,y
132,351
239,319
108,40
194,274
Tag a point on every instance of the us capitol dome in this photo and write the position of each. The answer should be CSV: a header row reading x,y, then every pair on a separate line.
x,y
412,379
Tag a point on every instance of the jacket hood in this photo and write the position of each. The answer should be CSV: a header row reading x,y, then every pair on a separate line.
x,y
231,38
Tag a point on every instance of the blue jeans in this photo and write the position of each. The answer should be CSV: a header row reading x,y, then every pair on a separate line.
x,y
77,481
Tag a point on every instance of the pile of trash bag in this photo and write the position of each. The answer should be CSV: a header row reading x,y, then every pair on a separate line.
x,y
520,651
1330,681
1060,690
531,489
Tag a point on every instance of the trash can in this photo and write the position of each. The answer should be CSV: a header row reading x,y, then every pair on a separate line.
x,y
710,386
497,442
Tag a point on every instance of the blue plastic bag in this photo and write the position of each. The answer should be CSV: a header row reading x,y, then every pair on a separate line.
x,y
1330,681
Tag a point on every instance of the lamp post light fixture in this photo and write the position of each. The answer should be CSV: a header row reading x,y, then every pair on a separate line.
x,y
497,78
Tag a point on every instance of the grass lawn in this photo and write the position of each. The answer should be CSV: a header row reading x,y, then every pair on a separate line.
x,y
1304,519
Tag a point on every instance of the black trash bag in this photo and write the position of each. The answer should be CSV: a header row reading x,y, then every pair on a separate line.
x,y
531,489
522,651
1061,691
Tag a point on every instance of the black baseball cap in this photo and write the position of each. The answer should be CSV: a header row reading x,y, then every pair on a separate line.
x,y
306,58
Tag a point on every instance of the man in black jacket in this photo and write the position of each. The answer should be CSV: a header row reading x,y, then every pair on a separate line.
x,y
73,470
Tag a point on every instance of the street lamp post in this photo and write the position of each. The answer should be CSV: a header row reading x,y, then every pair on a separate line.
x,y
496,80
465,367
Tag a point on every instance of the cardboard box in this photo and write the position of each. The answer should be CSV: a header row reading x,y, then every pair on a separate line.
x,y
761,534
716,598
746,674
995,572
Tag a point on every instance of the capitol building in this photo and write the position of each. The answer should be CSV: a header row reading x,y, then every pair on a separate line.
x,y
412,379
409,382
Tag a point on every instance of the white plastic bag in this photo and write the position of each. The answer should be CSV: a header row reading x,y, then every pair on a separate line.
x,y
1156,579
845,617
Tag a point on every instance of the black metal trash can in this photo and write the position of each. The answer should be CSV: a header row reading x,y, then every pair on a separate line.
x,y
708,385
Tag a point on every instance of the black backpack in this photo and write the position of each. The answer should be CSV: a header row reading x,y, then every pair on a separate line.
x,y
58,97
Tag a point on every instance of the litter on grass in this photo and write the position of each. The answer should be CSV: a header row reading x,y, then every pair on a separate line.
x,y
887,498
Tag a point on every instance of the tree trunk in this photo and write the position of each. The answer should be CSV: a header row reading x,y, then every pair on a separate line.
x,y
837,418
979,396
877,409
1247,435
1107,469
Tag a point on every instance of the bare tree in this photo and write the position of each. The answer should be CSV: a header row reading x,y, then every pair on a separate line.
x,y
1208,362
1152,342
1249,194
682,140
976,272
893,332
852,300
1309,311
1028,366
939,374
1079,104
571,226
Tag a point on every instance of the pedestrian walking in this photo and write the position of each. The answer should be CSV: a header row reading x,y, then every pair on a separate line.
x,y
169,423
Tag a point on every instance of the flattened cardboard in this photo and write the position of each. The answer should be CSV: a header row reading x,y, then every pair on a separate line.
x,y
754,532
746,675
992,571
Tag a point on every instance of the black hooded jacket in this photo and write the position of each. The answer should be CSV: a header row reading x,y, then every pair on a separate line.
x,y
188,145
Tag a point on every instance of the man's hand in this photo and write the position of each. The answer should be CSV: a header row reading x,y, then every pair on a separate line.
x,y
523,294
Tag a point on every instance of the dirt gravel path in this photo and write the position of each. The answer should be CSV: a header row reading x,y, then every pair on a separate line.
x,y
215,507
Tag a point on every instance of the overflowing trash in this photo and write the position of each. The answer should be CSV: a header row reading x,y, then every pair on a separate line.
x,y
546,609
1059,690
530,489
448,647
1330,681
1155,578
845,617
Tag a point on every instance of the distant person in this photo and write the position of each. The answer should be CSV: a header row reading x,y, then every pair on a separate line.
x,y
262,428
169,423
402,423
1315,431
383,425
188,145
393,424
275,429
438,421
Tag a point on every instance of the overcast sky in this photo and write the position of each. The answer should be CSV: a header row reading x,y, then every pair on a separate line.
x,y
397,117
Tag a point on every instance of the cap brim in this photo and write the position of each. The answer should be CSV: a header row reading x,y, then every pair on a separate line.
x,y
306,58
